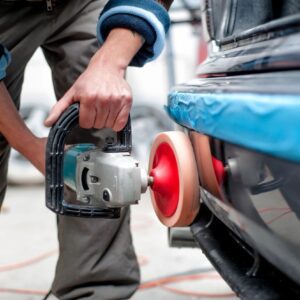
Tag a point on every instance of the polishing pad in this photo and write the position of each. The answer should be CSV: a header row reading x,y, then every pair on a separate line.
x,y
211,171
175,189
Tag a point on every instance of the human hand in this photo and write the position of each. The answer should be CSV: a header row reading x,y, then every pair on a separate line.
x,y
102,91
104,96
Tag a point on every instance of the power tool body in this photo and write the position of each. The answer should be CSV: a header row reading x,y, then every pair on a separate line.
x,y
90,173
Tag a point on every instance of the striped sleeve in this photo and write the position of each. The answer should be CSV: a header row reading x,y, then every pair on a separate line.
x,y
148,18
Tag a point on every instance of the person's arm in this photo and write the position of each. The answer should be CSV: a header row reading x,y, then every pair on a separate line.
x,y
104,95
13,128
102,91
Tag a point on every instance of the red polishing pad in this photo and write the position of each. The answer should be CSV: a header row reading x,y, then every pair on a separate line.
x,y
175,190
211,171
166,179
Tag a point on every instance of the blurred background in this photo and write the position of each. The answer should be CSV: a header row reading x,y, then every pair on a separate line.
x,y
28,232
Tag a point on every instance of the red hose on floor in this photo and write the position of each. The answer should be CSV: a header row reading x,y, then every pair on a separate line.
x,y
161,283
197,294
31,261
23,291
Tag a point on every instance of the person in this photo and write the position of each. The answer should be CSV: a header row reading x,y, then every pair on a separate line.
x,y
96,256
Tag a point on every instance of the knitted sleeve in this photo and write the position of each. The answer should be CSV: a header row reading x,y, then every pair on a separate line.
x,y
147,17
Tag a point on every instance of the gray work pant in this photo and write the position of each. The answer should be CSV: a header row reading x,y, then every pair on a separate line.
x,y
96,256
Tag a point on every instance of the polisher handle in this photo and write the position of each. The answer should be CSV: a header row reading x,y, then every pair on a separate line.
x,y
54,167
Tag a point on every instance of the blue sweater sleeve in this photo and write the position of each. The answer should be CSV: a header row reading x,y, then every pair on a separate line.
x,y
147,17
4,61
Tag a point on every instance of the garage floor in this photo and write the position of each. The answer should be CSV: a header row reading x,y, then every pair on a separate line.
x,y
29,251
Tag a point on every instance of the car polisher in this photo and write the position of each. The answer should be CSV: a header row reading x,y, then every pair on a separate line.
x,y
100,177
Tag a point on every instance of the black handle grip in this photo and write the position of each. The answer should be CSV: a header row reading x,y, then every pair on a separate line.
x,y
54,167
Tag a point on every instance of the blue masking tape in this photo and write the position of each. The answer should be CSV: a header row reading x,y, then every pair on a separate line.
x,y
269,123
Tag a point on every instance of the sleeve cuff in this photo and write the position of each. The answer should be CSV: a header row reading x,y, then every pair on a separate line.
x,y
146,17
141,27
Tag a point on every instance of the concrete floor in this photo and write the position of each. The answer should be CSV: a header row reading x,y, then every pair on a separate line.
x,y
28,231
